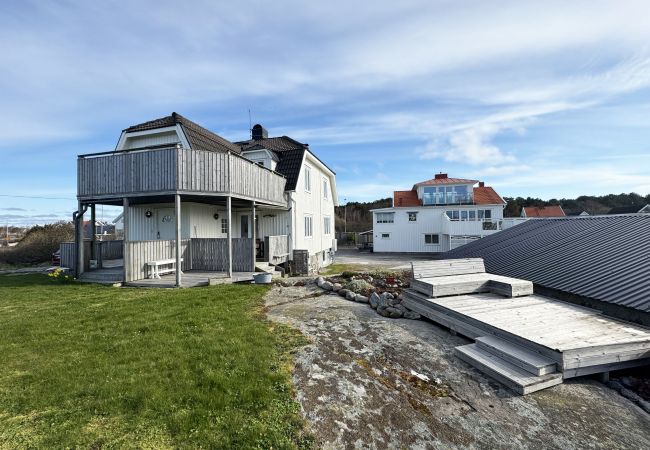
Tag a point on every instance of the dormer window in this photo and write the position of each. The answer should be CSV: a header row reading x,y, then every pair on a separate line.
x,y
446,195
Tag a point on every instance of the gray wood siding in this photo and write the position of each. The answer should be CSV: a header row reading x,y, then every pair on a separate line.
x,y
141,252
212,254
171,170
276,249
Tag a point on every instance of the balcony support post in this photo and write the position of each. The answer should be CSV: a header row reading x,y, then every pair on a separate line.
x,y
253,236
126,254
178,239
229,217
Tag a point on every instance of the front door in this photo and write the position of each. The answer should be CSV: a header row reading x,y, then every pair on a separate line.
x,y
244,227
166,224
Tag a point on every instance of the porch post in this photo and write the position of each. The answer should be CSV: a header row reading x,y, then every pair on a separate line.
x,y
253,234
93,231
178,240
229,215
126,256
79,239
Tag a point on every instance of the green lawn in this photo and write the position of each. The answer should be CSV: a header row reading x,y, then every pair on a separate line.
x,y
97,367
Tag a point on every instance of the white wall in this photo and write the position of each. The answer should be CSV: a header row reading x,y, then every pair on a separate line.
x,y
408,236
315,204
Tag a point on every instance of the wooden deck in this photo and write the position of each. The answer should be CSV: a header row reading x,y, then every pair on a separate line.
x,y
579,340
193,278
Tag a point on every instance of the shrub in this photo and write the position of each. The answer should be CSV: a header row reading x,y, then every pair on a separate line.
x,y
61,276
359,286
38,244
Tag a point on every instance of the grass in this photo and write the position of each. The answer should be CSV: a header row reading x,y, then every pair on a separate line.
x,y
99,367
338,268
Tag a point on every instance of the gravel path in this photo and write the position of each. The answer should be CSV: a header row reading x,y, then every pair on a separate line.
x,y
357,389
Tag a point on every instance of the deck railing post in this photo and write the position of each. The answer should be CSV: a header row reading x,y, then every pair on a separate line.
x,y
253,236
229,215
93,231
178,240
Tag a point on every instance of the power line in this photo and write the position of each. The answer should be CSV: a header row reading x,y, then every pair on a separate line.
x,y
37,196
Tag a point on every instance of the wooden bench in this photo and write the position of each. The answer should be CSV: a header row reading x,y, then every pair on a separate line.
x,y
157,268
463,276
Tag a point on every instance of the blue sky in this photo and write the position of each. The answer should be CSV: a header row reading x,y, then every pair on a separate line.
x,y
547,99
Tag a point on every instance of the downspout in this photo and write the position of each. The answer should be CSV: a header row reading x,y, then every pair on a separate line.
x,y
78,236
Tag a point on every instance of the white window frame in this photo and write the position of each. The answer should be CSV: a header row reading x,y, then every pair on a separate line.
x,y
384,235
326,189
327,225
224,226
309,226
382,217
432,243
307,179
415,215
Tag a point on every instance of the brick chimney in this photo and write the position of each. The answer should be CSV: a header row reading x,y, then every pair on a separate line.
x,y
441,176
481,184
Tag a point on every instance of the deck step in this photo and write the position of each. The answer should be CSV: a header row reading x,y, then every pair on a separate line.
x,y
518,355
443,319
514,377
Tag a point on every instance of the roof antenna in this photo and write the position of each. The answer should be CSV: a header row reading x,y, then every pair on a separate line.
x,y
250,123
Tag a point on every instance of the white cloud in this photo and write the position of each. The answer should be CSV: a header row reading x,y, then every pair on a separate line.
x,y
470,146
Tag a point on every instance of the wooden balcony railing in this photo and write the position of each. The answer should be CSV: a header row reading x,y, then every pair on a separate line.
x,y
171,170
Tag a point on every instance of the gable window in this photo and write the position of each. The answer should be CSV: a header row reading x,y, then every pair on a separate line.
x,y
224,226
413,216
309,220
327,225
385,217
307,178
385,235
325,189
431,239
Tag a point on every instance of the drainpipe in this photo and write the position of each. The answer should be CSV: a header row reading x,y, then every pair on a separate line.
x,y
77,218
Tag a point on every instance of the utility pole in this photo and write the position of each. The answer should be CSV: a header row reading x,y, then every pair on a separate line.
x,y
345,215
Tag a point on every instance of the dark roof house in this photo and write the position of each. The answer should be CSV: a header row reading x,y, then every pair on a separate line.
x,y
598,261
630,209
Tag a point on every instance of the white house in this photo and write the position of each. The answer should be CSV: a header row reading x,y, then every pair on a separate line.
x,y
180,183
438,215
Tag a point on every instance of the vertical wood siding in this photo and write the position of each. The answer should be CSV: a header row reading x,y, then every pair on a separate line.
x,y
212,254
141,252
276,249
177,169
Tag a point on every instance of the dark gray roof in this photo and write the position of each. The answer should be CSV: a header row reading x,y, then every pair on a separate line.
x,y
629,209
606,258
199,138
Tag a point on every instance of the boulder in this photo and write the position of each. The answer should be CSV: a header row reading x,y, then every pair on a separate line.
x,y
382,311
374,300
393,313
326,285
343,292
411,315
361,298
393,301
350,295
401,308
320,281
337,287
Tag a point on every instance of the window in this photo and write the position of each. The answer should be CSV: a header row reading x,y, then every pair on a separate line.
x,y
413,216
472,215
224,226
463,215
453,215
307,178
481,214
385,235
325,189
385,217
431,239
327,225
308,226
488,213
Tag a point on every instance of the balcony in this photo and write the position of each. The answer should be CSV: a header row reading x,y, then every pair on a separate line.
x,y
175,170
449,198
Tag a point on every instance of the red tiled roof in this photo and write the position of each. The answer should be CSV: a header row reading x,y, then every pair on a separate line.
x,y
436,181
406,198
544,211
485,195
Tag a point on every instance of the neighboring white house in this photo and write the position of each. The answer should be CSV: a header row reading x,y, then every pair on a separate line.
x,y
279,195
438,215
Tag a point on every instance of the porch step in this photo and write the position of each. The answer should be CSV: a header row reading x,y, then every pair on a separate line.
x,y
266,267
518,355
514,377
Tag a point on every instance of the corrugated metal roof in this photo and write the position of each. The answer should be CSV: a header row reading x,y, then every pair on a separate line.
x,y
606,258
